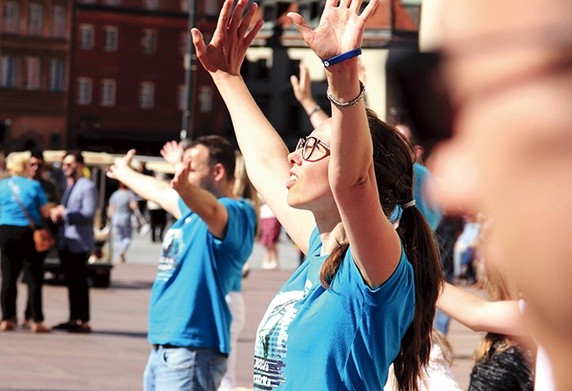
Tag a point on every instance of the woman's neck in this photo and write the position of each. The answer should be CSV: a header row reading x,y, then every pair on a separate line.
x,y
331,237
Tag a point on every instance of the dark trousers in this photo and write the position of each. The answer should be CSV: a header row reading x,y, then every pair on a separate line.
x,y
18,252
158,219
74,267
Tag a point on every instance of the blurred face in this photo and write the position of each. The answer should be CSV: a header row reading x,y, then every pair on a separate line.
x,y
308,186
201,173
511,158
36,167
70,167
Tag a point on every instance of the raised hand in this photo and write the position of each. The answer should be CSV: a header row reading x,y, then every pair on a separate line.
x,y
172,152
120,164
180,181
302,86
340,29
227,49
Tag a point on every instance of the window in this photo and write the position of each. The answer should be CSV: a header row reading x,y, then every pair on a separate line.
x,y
206,94
184,5
108,88
85,36
110,38
35,19
152,4
56,79
9,66
32,73
113,2
149,41
10,17
146,95
59,22
84,88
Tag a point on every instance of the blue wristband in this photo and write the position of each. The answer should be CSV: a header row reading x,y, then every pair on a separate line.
x,y
341,57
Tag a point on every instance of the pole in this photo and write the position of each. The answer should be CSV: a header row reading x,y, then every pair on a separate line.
x,y
190,66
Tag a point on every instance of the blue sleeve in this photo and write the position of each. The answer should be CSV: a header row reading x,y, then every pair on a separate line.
x,y
41,198
183,208
241,224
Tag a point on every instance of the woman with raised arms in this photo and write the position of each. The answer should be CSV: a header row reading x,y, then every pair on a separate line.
x,y
365,297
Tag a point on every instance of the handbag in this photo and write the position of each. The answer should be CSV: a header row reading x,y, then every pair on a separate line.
x,y
43,237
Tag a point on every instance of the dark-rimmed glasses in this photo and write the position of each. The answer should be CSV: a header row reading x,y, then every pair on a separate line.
x,y
312,149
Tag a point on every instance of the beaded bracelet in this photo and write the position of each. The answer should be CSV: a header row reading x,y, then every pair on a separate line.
x,y
341,57
345,105
314,111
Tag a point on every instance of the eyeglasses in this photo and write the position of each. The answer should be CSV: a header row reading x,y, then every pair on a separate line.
x,y
312,147
427,98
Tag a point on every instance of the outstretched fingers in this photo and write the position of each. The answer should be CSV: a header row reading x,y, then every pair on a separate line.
x,y
247,20
223,19
369,8
303,28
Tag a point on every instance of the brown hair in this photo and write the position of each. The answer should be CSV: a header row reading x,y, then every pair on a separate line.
x,y
394,174
498,287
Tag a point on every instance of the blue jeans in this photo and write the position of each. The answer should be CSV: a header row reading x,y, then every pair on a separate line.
x,y
172,369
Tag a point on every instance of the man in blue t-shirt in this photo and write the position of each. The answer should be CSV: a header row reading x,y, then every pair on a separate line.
x,y
202,257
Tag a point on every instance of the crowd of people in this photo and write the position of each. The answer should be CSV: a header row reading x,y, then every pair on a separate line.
x,y
369,306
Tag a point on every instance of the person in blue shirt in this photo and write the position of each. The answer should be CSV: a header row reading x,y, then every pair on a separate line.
x,y
21,199
365,296
201,260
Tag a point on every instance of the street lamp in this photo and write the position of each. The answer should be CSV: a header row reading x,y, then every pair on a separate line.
x,y
190,66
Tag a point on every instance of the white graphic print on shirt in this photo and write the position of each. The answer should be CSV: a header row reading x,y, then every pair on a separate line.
x,y
272,336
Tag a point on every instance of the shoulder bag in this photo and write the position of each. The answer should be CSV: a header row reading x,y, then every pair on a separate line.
x,y
43,237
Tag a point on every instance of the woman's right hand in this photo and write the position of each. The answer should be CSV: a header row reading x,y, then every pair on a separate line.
x,y
227,49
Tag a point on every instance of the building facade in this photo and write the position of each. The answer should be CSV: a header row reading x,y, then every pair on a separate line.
x,y
34,66
110,75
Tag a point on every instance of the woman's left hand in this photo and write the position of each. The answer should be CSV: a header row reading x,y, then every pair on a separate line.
x,y
340,30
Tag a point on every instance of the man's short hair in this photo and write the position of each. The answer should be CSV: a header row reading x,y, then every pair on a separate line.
x,y
76,154
37,153
220,151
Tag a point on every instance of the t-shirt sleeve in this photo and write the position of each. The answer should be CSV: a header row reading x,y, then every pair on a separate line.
x,y
241,224
40,194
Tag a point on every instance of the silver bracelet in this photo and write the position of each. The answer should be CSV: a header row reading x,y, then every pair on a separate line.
x,y
314,111
345,105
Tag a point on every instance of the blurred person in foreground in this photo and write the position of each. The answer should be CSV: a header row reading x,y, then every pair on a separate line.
x,y
202,257
509,78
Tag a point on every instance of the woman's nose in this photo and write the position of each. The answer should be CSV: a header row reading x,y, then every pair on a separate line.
x,y
455,186
295,157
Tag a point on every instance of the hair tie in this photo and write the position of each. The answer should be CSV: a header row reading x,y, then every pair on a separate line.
x,y
408,204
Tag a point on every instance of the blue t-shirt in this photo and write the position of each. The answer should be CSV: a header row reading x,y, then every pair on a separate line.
x,y
31,196
341,338
431,213
196,270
